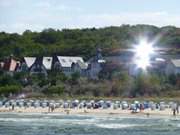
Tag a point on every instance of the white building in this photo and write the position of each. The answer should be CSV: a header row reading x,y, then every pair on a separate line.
x,y
66,64
69,65
36,65
173,67
95,65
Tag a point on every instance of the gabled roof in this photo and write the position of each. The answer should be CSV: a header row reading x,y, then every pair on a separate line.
x,y
66,61
30,61
176,62
47,62
13,64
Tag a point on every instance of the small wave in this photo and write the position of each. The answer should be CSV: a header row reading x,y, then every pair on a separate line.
x,y
115,126
17,120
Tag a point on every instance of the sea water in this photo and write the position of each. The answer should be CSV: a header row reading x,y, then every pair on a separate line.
x,y
57,124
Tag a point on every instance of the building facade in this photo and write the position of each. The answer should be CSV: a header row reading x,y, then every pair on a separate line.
x,y
173,67
66,64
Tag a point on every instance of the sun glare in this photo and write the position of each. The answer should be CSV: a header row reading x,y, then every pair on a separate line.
x,y
143,52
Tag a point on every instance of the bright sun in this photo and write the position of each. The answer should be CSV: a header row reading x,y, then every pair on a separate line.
x,y
142,54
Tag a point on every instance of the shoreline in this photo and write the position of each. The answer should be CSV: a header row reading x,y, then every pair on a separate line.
x,y
99,112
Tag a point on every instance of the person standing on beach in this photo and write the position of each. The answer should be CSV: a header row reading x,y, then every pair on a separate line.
x,y
13,107
52,107
174,109
174,112
177,108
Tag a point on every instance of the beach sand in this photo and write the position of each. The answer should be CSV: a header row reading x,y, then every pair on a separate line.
x,y
110,111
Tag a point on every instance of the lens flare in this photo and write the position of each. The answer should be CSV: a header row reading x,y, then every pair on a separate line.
x,y
143,53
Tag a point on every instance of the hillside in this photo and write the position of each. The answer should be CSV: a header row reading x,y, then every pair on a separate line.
x,y
83,42
112,82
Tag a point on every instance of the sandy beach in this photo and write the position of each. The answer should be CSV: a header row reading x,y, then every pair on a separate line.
x,y
110,111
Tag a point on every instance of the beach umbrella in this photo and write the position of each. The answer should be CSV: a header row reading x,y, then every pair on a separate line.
x,y
104,106
108,103
61,102
81,105
136,102
44,104
171,104
151,102
74,103
96,106
32,102
162,106
57,105
124,102
101,102
124,105
174,106
92,101
7,104
51,101
89,105
118,103
83,101
21,104
115,106
68,101
71,105
153,106
51,104
13,102
133,107
66,105
36,104
146,105
28,104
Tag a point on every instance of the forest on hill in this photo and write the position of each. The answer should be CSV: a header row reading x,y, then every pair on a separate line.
x,y
83,42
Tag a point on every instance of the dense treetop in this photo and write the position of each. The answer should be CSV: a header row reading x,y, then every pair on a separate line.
x,y
83,42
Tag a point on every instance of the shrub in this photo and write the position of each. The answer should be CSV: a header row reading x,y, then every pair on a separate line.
x,y
13,89
59,90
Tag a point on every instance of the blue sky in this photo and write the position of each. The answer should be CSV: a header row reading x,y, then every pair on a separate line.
x,y
36,15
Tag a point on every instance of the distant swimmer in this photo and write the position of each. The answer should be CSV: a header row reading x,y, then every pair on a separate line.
x,y
13,107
